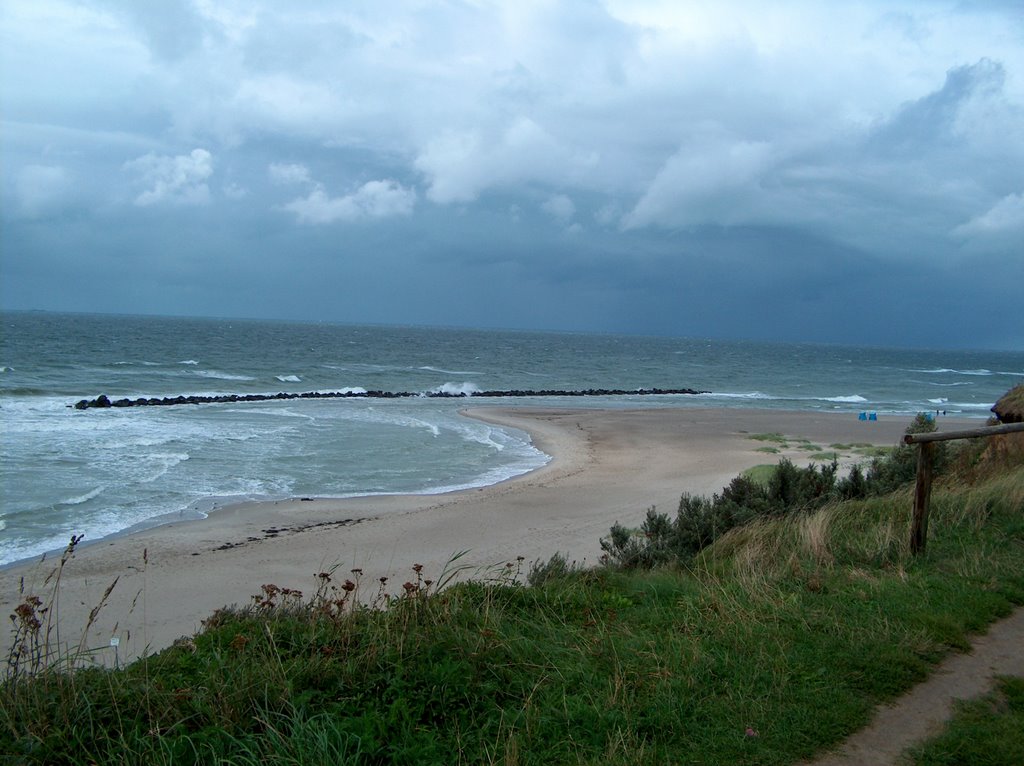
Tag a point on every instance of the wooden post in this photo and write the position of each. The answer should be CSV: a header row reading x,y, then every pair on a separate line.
x,y
922,494
923,491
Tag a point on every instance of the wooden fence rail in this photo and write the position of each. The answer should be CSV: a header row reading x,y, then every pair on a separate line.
x,y
923,490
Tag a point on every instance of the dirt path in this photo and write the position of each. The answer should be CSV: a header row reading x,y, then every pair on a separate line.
x,y
922,712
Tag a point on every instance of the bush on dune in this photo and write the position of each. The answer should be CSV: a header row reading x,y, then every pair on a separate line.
x,y
700,521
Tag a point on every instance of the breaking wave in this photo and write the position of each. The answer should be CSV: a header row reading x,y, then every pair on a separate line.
x,y
221,375
458,389
428,368
78,500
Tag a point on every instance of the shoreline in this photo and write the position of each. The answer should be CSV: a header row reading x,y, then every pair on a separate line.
x,y
606,466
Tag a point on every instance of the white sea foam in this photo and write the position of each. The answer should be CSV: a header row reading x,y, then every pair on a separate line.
x,y
164,462
427,368
853,399
749,395
965,406
417,423
83,498
458,389
221,375
532,459
289,378
940,400
485,436
189,361
275,412
943,370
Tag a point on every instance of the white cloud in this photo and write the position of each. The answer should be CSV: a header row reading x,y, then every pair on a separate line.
x,y
674,114
709,182
288,103
1003,219
374,199
285,173
177,180
460,165
560,207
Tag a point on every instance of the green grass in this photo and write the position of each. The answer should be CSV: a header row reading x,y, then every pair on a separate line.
x,y
762,474
868,450
773,437
792,628
986,731
825,457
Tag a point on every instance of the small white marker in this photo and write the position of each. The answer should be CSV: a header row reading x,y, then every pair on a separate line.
x,y
115,641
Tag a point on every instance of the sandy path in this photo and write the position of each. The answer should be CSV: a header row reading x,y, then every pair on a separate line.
x,y
608,466
921,713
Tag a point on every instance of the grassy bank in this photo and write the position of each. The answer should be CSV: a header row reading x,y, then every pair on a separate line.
x,y
768,645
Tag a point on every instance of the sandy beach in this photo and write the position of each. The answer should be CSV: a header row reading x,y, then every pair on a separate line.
x,y
607,466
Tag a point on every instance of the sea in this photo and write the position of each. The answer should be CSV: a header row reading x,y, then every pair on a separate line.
x,y
102,472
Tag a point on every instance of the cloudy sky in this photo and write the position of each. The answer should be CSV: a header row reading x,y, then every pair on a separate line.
x,y
838,172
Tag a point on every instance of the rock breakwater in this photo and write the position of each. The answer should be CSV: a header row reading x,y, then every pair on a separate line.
x,y
103,402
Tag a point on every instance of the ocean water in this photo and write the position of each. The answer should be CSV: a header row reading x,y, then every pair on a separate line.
x,y
99,472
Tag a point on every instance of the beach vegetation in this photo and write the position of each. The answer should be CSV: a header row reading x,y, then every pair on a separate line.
x,y
762,473
699,521
556,567
768,491
777,438
759,626
824,456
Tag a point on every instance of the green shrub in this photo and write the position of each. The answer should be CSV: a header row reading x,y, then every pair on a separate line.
x,y
785,490
555,568
890,472
700,521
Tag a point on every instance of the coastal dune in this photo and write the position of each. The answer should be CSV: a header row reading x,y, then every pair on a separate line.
x,y
607,466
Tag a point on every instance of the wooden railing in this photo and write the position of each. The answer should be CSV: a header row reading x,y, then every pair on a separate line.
x,y
923,490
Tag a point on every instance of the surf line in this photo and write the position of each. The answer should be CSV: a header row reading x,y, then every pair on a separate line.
x,y
103,402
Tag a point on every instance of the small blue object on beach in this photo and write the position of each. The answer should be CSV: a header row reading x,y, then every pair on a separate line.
x,y
862,416
872,416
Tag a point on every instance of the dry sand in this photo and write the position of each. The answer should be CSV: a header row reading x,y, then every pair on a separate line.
x,y
608,466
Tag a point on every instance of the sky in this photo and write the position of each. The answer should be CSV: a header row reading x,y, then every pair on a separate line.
x,y
840,172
